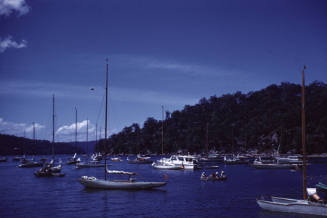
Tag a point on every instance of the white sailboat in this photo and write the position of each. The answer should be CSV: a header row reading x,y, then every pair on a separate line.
x,y
288,205
93,182
50,169
89,163
74,159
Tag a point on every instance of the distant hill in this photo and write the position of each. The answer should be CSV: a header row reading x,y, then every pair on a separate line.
x,y
259,120
12,145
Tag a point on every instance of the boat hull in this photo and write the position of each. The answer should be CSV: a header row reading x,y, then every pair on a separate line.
x,y
79,165
92,182
293,206
275,166
166,167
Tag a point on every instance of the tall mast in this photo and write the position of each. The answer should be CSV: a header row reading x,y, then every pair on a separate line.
x,y
34,132
53,124
34,137
162,131
75,129
106,119
304,174
207,138
96,133
87,135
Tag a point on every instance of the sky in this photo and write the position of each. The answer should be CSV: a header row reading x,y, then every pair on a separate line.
x,y
169,53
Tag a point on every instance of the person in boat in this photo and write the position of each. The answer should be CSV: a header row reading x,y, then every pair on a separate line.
x,y
222,175
212,176
314,197
203,175
217,175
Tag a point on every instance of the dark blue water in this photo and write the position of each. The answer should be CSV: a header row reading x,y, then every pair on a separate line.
x,y
24,195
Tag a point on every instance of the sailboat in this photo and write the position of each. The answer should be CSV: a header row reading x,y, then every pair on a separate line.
x,y
30,163
74,159
90,163
93,182
305,206
50,169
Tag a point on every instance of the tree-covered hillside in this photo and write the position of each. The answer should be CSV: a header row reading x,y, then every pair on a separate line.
x,y
235,122
12,145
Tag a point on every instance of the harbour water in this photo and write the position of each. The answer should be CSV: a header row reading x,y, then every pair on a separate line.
x,y
24,195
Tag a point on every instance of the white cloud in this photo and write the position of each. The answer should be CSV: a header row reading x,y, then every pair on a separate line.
x,y
12,128
10,6
67,132
9,43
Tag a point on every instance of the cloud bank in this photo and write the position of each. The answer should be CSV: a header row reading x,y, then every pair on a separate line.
x,y
9,43
10,6
12,128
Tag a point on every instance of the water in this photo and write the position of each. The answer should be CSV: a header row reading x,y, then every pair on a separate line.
x,y
24,195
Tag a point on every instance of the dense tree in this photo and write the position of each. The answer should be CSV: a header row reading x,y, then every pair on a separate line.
x,y
260,120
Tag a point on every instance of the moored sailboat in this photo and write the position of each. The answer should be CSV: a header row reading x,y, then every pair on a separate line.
x,y
49,169
305,206
93,182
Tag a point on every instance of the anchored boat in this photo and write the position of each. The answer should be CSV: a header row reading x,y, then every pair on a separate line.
x,y
130,183
93,182
305,206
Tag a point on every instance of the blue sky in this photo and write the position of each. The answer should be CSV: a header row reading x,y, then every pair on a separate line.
x,y
167,53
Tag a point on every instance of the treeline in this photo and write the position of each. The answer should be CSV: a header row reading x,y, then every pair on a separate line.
x,y
259,120
12,145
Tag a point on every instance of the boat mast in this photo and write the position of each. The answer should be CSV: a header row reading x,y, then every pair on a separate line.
x,y
304,173
53,124
75,129
34,136
106,119
162,130
207,138
96,133
87,135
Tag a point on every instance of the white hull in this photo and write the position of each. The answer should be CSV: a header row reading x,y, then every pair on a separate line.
x,y
293,206
92,182
166,166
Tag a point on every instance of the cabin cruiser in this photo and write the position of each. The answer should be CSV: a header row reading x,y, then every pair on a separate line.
x,y
182,161
293,159
233,159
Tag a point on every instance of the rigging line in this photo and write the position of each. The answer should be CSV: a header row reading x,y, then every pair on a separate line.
x,y
101,106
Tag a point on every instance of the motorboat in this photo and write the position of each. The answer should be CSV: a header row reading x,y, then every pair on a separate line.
x,y
89,164
29,164
165,166
116,159
187,162
3,159
233,159
259,164
140,160
289,160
